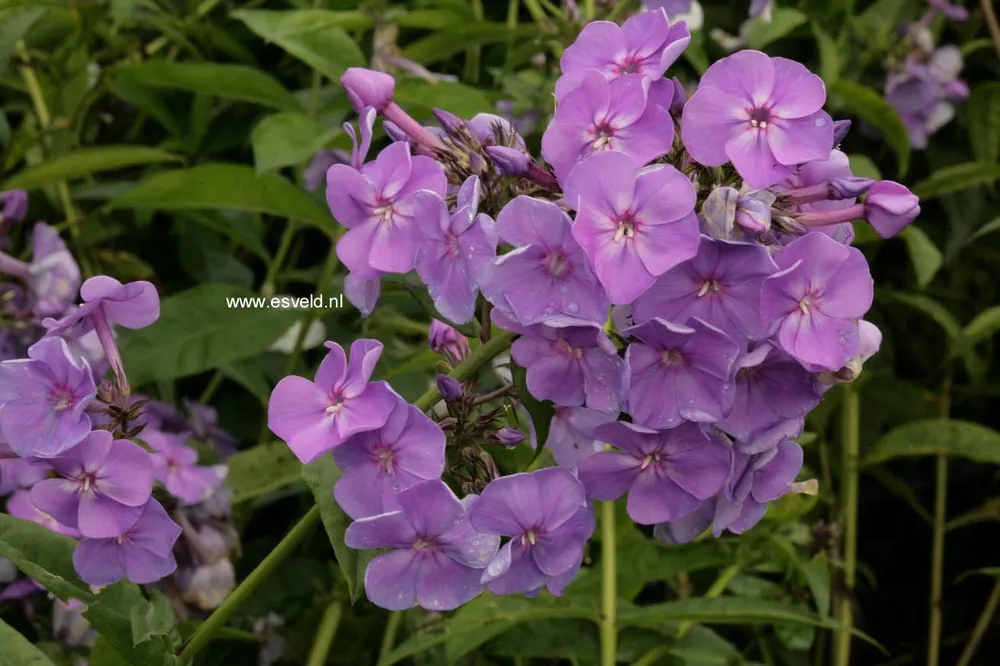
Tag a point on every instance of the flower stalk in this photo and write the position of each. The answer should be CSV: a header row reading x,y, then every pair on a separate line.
x,y
850,445
609,586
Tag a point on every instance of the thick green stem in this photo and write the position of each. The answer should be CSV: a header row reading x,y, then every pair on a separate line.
x,y
985,620
324,634
479,357
589,10
218,619
389,637
609,586
850,445
937,547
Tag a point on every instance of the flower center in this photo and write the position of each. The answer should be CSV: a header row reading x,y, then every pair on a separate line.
x,y
808,304
556,263
626,228
603,134
423,543
336,404
87,482
385,459
565,348
529,538
628,67
650,459
385,212
62,397
451,245
671,357
760,117
709,286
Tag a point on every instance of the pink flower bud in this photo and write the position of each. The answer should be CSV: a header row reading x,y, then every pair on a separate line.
x,y
366,87
509,161
890,207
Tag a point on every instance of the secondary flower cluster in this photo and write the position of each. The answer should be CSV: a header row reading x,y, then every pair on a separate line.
x,y
715,230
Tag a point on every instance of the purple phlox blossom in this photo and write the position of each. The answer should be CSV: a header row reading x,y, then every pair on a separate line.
x,y
646,44
768,438
457,250
571,434
600,115
43,400
634,224
369,88
447,341
437,555
925,85
687,528
869,341
314,417
954,12
314,175
720,285
176,467
667,474
890,207
377,205
763,114
203,421
679,373
69,626
377,464
21,506
546,515
814,301
761,9
486,126
753,212
53,276
105,299
572,366
363,292
105,488
13,206
771,387
143,554
813,175
756,480
506,437
718,213
18,472
509,161
547,277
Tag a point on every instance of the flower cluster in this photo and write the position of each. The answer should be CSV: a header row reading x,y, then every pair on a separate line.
x,y
70,458
684,261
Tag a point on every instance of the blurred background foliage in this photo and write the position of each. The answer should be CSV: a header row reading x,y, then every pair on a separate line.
x,y
171,140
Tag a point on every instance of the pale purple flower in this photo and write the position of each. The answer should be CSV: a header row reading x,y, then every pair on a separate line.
x,y
756,480
377,205
634,225
143,554
763,114
816,173
43,400
314,417
546,515
506,437
105,299
13,206
869,341
363,292
176,467
315,174
571,433
376,465
720,285
366,87
457,249
572,366
18,472
106,485
890,207
925,86
437,556
21,506
600,115
448,342
53,277
645,44
679,373
449,388
667,474
547,276
816,298
771,387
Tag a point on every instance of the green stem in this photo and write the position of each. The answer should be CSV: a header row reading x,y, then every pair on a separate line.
x,y
213,385
589,10
726,576
324,634
267,289
850,445
221,615
609,584
479,357
389,637
985,620
937,547
474,53
618,9
202,9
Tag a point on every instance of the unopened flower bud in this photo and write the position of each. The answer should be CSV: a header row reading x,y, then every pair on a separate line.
x,y
451,123
753,215
849,187
509,161
394,132
366,87
509,437
890,207
447,341
719,212
840,130
869,341
13,205
680,97
450,388
476,163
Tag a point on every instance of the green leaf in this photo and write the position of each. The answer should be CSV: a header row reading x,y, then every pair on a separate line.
x,y
14,24
983,113
931,308
236,82
320,477
264,468
102,653
314,36
783,21
84,161
16,650
817,574
956,178
225,187
871,107
933,437
285,139
541,412
151,618
419,97
984,326
924,255
829,55
483,619
446,43
862,166
146,99
198,331
988,228
724,610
